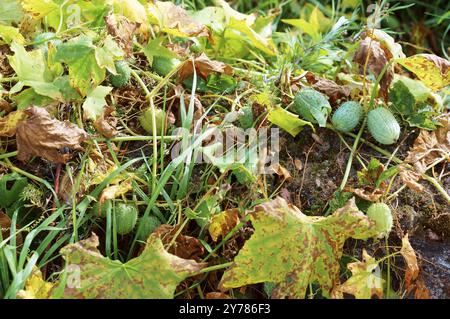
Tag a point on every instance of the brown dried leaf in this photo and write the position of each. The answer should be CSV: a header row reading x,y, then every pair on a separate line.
x,y
204,66
217,295
330,88
372,52
222,223
174,116
430,147
122,30
5,224
281,171
47,137
106,124
368,193
186,247
412,268
421,291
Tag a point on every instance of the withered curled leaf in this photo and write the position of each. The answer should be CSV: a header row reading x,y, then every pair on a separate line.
x,y
106,123
42,135
122,30
204,66
372,57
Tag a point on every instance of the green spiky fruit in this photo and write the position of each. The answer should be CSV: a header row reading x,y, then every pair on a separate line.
x,y
246,117
347,116
381,214
101,210
146,120
312,106
126,217
163,65
146,226
123,74
383,126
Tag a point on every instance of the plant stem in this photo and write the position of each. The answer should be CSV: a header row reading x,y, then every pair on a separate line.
x,y
10,79
215,267
7,155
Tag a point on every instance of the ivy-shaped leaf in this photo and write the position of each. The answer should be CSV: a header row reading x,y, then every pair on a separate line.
x,y
95,101
32,70
153,274
294,250
365,281
79,54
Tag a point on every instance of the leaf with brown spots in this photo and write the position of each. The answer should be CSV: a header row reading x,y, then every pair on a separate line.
x,y
204,66
432,70
155,273
222,223
175,20
44,136
294,250
372,57
364,282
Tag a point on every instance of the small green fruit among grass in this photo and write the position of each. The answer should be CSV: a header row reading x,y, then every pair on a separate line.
x,y
123,74
312,106
146,226
126,217
101,210
383,126
163,65
347,116
381,214
146,120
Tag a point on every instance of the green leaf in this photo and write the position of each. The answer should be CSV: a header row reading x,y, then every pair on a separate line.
x,y
287,121
153,274
10,34
47,9
406,93
11,193
79,54
107,54
295,250
95,101
32,70
155,48
10,11
132,9
29,97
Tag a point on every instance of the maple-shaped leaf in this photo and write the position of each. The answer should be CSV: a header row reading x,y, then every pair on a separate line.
x,y
95,101
294,250
365,281
80,55
153,274
32,70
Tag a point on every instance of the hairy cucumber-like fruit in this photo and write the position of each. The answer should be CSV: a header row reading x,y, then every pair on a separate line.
x,y
246,117
126,217
381,214
383,126
146,120
312,106
146,226
163,65
123,74
101,210
347,116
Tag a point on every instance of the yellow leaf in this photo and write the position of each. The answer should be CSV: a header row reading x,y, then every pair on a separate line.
x,y
132,9
8,124
9,34
223,223
115,191
287,121
255,39
432,70
36,287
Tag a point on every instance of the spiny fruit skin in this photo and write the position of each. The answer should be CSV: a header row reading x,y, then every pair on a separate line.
x,y
246,117
102,210
163,65
383,126
123,74
381,214
146,226
126,217
145,119
312,106
347,116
